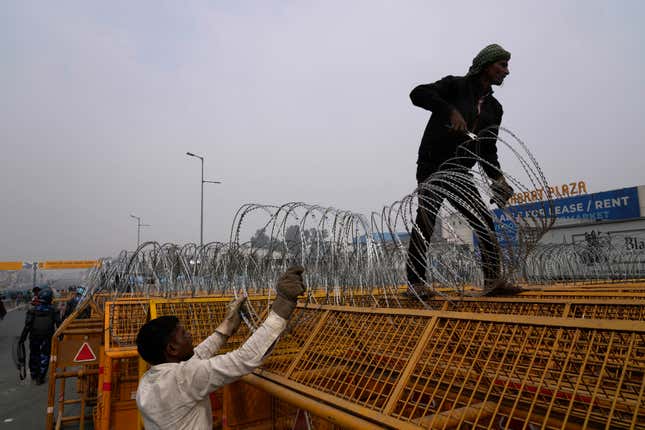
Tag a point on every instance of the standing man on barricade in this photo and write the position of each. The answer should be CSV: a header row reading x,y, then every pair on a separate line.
x,y
463,111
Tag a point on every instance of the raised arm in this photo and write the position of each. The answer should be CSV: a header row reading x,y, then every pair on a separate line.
x,y
215,341
435,97
200,377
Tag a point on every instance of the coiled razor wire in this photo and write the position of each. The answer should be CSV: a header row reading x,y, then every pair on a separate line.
x,y
357,260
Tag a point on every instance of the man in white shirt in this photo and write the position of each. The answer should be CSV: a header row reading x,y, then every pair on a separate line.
x,y
174,392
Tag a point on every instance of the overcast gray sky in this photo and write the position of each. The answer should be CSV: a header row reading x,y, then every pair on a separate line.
x,y
288,101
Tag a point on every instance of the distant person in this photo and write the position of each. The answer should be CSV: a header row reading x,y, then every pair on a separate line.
x,y
72,303
460,105
40,324
34,296
3,311
174,393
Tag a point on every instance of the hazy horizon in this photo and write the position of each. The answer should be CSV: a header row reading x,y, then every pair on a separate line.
x,y
297,101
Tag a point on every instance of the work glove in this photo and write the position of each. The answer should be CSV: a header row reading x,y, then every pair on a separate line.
x,y
289,287
232,319
502,192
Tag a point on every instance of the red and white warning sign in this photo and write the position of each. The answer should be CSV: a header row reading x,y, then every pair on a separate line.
x,y
84,353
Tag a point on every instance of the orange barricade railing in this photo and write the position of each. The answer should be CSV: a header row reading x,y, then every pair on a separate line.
x,y
563,356
74,356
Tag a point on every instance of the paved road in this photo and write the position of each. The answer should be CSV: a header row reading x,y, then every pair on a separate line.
x,y
22,404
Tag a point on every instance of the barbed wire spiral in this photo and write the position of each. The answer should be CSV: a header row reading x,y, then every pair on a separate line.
x,y
357,259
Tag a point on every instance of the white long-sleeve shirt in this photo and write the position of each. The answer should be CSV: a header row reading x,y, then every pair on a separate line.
x,y
175,395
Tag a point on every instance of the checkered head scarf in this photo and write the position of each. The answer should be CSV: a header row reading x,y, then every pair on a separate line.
x,y
488,55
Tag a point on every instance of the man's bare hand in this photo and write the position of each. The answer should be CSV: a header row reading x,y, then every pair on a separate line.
x,y
457,122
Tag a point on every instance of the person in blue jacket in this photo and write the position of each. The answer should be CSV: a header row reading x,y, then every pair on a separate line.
x,y
40,324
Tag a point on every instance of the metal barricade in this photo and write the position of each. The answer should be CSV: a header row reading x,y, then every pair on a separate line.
x,y
411,369
119,376
74,355
555,358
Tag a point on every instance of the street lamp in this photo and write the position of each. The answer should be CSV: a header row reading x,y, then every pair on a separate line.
x,y
201,218
139,225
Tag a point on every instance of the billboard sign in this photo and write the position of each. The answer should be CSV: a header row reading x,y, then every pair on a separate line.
x,y
619,204
74,264
607,205
10,265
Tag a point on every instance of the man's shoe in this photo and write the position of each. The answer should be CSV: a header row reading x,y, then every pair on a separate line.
x,y
419,291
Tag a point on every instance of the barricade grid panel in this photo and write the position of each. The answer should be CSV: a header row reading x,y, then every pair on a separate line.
x,y
511,308
438,369
589,310
124,385
430,304
125,319
608,311
587,295
378,300
358,357
403,302
480,374
292,342
202,316
243,332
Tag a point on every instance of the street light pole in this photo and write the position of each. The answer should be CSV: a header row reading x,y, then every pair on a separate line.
x,y
139,225
201,209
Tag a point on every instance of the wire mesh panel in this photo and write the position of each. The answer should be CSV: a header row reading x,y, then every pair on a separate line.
x,y
123,320
375,300
291,344
620,311
358,357
440,369
562,307
584,294
508,307
202,316
483,371
634,286
125,379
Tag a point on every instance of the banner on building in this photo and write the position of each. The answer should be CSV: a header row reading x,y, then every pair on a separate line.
x,y
619,204
607,205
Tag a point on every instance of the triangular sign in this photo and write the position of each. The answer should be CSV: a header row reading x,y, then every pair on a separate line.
x,y
85,353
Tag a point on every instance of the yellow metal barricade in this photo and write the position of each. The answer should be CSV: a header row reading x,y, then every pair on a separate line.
x,y
119,375
562,357
74,357
412,369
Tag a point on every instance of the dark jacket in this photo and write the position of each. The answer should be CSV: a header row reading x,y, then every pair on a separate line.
x,y
40,322
439,143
